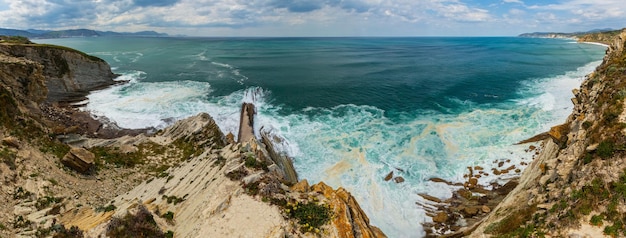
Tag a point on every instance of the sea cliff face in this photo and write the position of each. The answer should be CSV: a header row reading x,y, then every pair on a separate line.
x,y
69,74
576,186
188,180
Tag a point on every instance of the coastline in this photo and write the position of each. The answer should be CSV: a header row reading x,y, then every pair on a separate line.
x,y
63,171
472,205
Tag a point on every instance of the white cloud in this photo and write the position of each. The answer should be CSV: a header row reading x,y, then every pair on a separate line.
x,y
254,16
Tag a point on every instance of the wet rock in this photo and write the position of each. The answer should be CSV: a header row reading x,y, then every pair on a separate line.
x,y
470,211
441,217
473,181
430,198
389,176
398,179
79,159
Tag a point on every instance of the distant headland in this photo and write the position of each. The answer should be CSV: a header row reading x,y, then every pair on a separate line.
x,y
49,34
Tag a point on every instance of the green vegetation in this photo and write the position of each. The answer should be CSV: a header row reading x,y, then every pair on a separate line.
x,y
59,231
173,199
141,224
168,216
9,110
311,216
596,220
20,193
8,157
116,157
187,148
514,224
46,202
15,40
606,149
107,208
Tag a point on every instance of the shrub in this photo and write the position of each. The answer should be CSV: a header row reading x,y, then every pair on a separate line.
x,y
596,220
141,224
605,149
310,215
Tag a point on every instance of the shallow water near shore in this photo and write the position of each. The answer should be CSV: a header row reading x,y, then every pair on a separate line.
x,y
352,110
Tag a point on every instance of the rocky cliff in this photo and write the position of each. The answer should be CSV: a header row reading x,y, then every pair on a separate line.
x,y
188,180
69,74
576,186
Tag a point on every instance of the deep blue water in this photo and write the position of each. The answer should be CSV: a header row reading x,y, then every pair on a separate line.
x,y
353,109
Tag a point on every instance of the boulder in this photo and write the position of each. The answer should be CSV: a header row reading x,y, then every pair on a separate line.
x,y
79,159
302,186
11,142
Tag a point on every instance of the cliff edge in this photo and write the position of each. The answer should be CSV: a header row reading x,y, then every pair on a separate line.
x,y
61,177
576,186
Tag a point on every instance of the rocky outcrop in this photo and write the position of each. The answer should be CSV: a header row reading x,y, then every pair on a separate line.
x,y
220,192
79,159
68,74
246,123
573,187
349,220
196,182
283,161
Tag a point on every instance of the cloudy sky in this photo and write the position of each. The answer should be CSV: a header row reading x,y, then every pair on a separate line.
x,y
317,17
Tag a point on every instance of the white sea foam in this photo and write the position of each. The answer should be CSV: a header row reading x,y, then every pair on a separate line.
x,y
356,146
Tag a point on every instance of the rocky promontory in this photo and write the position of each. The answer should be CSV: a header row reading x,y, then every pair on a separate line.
x,y
63,176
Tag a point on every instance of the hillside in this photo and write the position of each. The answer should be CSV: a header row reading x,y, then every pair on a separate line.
x,y
576,186
47,34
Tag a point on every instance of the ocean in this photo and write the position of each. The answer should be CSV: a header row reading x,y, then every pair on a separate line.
x,y
351,110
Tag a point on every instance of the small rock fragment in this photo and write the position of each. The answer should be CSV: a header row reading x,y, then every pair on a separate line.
x,y
389,176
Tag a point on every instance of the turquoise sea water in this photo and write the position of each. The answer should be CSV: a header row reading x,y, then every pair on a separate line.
x,y
353,109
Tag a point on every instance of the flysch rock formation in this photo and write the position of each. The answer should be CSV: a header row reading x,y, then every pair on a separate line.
x,y
189,178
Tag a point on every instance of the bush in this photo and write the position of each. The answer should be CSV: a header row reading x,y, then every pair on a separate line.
x,y
141,224
310,215
605,149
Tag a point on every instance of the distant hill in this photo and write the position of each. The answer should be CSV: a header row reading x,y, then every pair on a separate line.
x,y
564,35
45,34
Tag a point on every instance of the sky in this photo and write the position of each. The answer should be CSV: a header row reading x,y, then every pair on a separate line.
x,y
317,17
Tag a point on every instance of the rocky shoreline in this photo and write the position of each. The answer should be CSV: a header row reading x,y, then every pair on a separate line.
x,y
66,173
574,185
